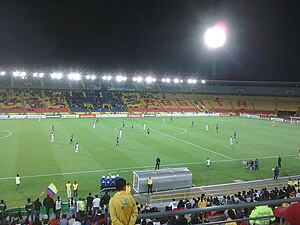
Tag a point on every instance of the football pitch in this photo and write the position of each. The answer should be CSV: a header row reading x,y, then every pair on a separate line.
x,y
26,150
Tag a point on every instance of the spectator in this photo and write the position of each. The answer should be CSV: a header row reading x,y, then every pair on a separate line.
x,y
96,204
58,204
37,208
72,206
72,220
49,204
29,209
63,220
120,213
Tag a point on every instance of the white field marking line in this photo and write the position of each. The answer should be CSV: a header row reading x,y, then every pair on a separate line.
x,y
190,143
183,132
9,133
194,145
138,167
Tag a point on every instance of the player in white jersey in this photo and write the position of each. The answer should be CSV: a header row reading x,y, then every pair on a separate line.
x,y
120,133
163,119
40,117
94,125
77,148
144,126
206,127
52,137
231,140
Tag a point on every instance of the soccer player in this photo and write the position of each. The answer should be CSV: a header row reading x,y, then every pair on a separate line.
x,y
144,126
123,124
68,187
94,125
18,182
148,131
206,127
52,128
217,128
207,164
234,136
52,137
163,119
231,140
132,127
117,141
299,153
40,117
273,123
120,133
71,139
193,123
256,164
77,148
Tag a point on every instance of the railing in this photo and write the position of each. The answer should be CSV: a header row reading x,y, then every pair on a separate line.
x,y
219,208
161,198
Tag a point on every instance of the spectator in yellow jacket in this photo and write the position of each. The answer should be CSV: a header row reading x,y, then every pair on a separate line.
x,y
123,209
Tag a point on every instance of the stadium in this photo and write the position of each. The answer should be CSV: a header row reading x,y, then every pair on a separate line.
x,y
233,144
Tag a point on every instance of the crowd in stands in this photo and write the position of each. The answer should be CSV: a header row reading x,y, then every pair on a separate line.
x,y
95,210
55,98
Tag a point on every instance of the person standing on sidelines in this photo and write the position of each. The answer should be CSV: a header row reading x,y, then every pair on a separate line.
x,y
58,204
157,163
122,206
2,210
279,160
149,184
208,164
37,208
68,187
18,182
276,173
75,189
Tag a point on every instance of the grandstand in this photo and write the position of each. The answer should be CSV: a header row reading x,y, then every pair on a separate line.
x,y
96,99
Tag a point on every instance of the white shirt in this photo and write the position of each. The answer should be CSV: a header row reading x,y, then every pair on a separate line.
x,y
58,204
77,147
96,202
18,181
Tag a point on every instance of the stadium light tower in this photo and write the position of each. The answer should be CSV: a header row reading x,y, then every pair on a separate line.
x,y
214,38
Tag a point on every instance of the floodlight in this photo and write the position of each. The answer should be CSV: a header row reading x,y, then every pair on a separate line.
x,y
148,79
194,81
163,80
74,76
176,80
93,77
23,74
139,79
16,73
181,81
2,73
153,79
203,81
88,77
215,37
35,74
134,79
109,77
56,75
41,75
190,81
168,80
119,78
104,77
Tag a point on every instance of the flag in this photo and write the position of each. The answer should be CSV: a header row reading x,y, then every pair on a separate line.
x,y
51,190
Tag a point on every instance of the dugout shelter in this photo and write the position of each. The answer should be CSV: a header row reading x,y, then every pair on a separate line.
x,y
163,179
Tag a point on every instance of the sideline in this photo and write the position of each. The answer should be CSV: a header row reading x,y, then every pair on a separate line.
x,y
138,167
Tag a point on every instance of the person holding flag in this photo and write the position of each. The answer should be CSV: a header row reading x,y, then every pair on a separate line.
x,y
48,202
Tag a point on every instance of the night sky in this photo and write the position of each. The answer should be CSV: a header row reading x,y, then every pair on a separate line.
x,y
163,37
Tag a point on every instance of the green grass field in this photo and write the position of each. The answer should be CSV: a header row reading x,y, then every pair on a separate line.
x,y
26,149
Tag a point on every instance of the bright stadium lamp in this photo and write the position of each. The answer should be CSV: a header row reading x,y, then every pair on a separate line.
x,y
41,75
163,80
181,81
104,77
35,74
176,80
148,79
93,77
88,77
23,74
119,78
16,73
2,73
203,81
134,79
139,79
168,80
109,77
215,37
153,79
